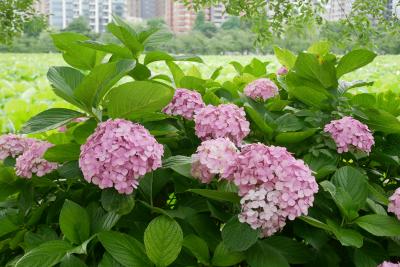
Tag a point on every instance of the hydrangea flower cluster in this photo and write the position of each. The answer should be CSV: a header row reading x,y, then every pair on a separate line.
x,y
274,186
350,133
282,71
261,89
12,145
184,103
32,161
225,120
394,204
213,157
388,264
118,153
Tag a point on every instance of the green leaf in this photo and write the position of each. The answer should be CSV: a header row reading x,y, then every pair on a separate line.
x,y
238,236
124,249
99,81
347,237
320,48
354,60
154,56
73,53
138,96
309,67
72,261
379,225
64,81
176,71
6,226
262,254
288,122
224,257
140,72
84,130
46,255
294,252
74,222
49,119
114,49
294,137
258,120
112,201
198,247
285,57
179,164
128,37
212,99
62,153
363,100
217,195
8,185
382,121
109,261
163,239
316,223
362,259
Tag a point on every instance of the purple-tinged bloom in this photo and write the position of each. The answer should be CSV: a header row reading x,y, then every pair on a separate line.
x,y
261,89
184,103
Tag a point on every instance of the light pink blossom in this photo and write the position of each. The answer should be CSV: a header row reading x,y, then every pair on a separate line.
x,y
394,204
261,89
184,103
350,133
225,120
118,153
12,145
282,71
389,264
213,157
32,161
271,174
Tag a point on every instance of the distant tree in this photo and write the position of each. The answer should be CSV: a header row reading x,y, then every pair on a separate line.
x,y
206,27
35,26
79,25
231,23
156,23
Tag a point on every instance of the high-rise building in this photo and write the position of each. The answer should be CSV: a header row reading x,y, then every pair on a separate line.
x,y
393,7
216,14
337,9
178,17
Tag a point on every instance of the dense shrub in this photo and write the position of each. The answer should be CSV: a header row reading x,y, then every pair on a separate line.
x,y
303,177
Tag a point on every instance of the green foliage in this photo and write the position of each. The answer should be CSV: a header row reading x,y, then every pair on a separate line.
x,y
171,219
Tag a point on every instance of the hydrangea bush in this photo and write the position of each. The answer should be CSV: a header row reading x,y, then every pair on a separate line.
x,y
270,169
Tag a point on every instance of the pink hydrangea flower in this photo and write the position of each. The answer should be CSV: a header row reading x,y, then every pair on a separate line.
x,y
118,153
12,145
282,71
213,157
394,204
225,120
261,89
271,174
185,103
389,264
350,133
32,161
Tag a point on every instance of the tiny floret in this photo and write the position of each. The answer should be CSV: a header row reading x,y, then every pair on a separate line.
x,y
349,133
213,157
226,121
32,161
282,71
118,154
274,187
184,103
394,203
12,145
261,89
389,264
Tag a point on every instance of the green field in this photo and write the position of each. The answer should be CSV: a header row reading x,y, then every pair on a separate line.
x,y
24,90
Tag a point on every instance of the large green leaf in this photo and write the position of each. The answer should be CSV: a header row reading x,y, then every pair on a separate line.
x,y
64,81
99,81
285,57
114,49
320,48
46,255
138,96
262,254
354,60
347,237
379,225
163,240
294,137
72,261
6,226
109,261
198,247
224,257
217,195
294,252
176,71
74,222
309,67
238,236
73,53
49,119
381,120
154,56
62,153
128,37
112,201
124,249
8,185
258,120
